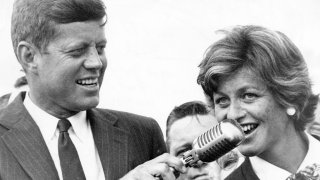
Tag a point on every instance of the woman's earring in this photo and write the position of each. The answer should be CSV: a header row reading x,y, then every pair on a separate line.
x,y
291,111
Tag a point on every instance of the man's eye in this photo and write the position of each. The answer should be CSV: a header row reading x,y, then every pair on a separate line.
x,y
100,49
78,52
181,152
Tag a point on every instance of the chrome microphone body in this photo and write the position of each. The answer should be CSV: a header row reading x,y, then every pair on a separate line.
x,y
214,143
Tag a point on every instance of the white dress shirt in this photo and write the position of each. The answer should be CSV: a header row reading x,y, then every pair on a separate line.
x,y
80,134
266,171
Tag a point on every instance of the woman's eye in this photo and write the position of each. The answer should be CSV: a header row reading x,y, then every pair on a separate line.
x,y
249,96
222,101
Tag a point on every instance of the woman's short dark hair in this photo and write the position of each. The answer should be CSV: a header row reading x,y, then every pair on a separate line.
x,y
270,55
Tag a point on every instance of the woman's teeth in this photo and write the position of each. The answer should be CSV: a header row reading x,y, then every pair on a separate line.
x,y
248,128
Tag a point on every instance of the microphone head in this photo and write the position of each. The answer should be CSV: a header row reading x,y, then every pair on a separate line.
x,y
215,142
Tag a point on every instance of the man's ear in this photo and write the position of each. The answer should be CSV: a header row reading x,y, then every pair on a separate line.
x,y
26,55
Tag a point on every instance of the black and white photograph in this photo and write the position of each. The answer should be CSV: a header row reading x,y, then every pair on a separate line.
x,y
160,89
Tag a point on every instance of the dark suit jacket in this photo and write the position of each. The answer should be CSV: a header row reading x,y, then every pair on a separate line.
x,y
243,172
123,141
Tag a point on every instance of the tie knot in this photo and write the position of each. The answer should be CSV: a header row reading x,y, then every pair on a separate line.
x,y
64,125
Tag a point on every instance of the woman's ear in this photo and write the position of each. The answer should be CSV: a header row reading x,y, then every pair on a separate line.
x,y
26,56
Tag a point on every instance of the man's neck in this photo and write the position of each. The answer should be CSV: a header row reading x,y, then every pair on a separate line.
x,y
54,110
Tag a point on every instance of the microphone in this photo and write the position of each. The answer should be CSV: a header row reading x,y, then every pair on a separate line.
x,y
211,145
214,143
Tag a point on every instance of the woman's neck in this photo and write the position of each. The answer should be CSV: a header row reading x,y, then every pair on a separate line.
x,y
290,154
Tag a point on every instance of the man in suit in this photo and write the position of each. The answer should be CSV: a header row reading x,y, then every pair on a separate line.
x,y
54,131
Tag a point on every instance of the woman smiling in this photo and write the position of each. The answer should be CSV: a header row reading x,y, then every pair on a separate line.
x,y
259,78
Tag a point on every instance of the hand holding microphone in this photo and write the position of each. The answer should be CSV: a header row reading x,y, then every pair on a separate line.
x,y
160,168
208,147
213,144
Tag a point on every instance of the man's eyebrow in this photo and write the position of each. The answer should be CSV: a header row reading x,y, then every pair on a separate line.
x,y
74,46
81,45
104,41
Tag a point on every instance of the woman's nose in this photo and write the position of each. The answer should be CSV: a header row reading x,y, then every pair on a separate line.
x,y
235,111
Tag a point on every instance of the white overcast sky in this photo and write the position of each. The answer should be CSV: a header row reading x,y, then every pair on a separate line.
x,y
155,46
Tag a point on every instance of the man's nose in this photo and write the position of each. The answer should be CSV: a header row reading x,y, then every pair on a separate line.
x,y
93,60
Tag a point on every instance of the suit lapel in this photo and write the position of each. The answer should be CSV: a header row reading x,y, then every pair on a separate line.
x,y
26,143
248,171
111,142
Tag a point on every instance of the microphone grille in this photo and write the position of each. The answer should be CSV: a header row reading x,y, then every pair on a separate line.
x,y
219,140
214,152
209,136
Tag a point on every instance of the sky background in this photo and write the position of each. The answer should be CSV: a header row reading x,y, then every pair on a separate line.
x,y
155,46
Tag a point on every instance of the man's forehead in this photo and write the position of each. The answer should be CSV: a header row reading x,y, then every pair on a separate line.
x,y
195,120
80,31
190,127
184,131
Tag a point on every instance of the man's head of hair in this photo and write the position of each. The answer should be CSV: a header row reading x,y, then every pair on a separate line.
x,y
34,21
191,108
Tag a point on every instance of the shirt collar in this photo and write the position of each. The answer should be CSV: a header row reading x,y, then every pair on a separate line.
x,y
265,170
80,125
48,123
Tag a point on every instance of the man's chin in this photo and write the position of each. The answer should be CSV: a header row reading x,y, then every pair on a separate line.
x,y
86,105
91,105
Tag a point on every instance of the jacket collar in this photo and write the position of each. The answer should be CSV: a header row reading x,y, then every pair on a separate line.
x,y
111,142
26,143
